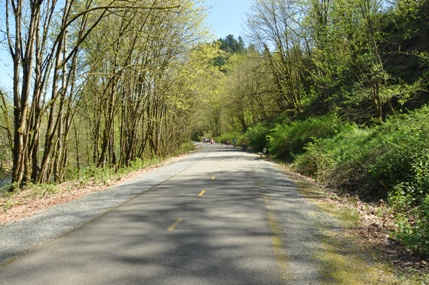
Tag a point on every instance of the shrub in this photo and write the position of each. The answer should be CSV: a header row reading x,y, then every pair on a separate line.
x,y
372,162
257,136
186,147
409,193
410,200
396,147
42,190
287,141
333,160
230,137
413,230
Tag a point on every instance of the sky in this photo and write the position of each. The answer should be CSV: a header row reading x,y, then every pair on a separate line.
x,y
228,17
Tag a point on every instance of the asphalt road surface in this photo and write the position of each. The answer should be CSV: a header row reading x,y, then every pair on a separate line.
x,y
210,221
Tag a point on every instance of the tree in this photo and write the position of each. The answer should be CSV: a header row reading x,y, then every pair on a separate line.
x,y
324,54
347,60
45,41
276,27
250,87
230,46
138,107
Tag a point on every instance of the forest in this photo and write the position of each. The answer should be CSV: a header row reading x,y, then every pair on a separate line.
x,y
337,89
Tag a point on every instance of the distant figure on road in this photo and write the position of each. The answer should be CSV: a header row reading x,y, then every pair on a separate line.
x,y
227,143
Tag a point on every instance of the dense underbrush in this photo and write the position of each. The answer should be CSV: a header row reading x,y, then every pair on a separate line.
x,y
388,161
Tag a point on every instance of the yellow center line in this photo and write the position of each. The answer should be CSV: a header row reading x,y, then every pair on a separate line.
x,y
213,178
202,193
173,226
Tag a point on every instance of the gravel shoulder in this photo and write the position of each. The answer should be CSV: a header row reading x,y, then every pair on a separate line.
x,y
292,221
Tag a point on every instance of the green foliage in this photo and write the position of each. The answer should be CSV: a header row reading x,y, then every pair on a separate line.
x,y
197,135
45,189
286,141
139,163
325,156
400,148
105,176
257,136
186,147
410,199
374,161
100,175
387,161
410,192
413,229
230,137
230,46
9,199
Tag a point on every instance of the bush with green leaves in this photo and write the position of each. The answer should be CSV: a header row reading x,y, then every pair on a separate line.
x,y
369,161
324,157
410,193
230,137
288,140
410,199
186,147
256,136
413,228
397,147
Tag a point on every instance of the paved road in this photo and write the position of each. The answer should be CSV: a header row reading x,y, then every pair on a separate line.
x,y
206,224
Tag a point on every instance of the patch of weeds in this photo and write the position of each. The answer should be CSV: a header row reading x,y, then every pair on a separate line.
x,y
414,276
186,147
349,216
9,203
42,190
7,200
